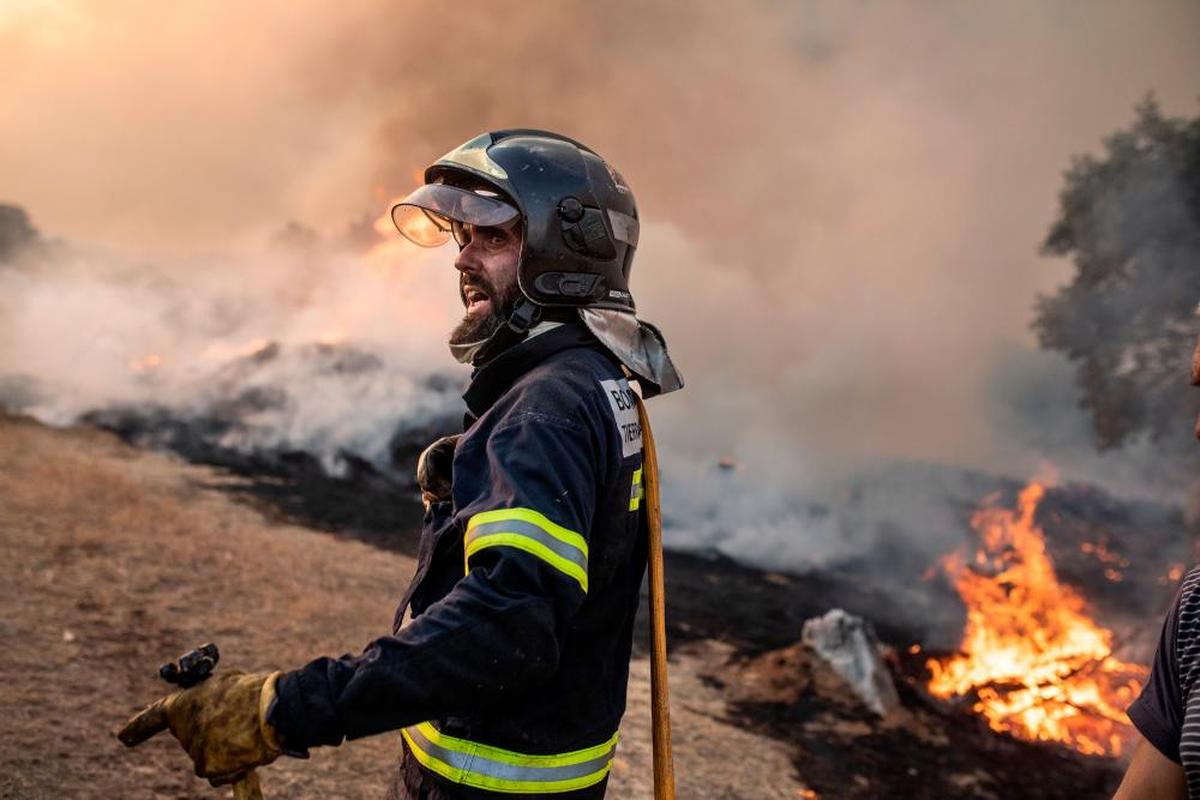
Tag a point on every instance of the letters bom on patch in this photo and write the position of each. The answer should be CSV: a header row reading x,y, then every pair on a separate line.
x,y
624,407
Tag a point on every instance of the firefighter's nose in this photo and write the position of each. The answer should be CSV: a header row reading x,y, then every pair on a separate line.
x,y
466,262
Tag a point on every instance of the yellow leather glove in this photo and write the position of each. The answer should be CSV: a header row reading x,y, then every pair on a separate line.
x,y
221,723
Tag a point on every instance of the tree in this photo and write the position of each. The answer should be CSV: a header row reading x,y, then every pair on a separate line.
x,y
16,232
1130,221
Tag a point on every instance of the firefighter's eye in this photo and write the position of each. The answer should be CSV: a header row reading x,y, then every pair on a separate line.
x,y
492,237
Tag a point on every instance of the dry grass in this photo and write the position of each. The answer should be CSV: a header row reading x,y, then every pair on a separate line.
x,y
119,559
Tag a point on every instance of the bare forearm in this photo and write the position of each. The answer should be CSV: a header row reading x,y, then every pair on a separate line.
x,y
1152,776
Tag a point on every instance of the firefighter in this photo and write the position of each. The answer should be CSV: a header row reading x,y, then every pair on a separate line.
x,y
507,666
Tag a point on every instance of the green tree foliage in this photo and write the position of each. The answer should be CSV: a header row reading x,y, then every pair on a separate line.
x,y
1130,221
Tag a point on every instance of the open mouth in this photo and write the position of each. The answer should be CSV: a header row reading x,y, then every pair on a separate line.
x,y
475,298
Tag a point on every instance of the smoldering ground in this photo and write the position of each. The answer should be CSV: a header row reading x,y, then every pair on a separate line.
x,y
843,204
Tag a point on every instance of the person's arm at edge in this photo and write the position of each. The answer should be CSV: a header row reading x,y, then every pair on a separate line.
x,y
1152,776
1157,715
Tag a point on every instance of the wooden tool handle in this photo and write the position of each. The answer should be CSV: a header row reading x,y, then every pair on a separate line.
x,y
248,788
660,702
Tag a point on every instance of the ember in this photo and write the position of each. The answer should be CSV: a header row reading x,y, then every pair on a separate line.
x,y
1036,664
1101,552
1174,574
147,363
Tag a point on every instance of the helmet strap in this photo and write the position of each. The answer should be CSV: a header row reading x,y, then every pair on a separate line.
x,y
525,315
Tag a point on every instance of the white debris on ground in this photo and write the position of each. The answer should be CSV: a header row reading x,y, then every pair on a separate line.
x,y
849,645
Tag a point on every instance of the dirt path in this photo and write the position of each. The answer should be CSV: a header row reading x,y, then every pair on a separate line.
x,y
118,559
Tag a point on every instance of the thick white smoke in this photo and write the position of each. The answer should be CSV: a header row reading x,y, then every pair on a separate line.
x,y
843,203
323,351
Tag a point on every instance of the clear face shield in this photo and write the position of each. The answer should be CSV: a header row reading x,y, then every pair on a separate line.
x,y
434,212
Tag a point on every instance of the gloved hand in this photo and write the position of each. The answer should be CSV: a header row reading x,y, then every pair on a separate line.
x,y
221,723
435,470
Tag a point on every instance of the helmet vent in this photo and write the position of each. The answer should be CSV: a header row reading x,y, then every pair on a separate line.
x,y
577,285
589,236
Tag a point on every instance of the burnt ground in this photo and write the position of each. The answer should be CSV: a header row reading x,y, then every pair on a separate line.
x,y
125,557
756,615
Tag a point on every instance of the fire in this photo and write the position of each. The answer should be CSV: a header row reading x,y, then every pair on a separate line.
x,y
1174,574
332,336
1099,550
147,363
383,225
1037,665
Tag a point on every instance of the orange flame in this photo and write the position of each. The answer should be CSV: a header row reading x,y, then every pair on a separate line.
x,y
1038,667
332,336
147,363
1099,550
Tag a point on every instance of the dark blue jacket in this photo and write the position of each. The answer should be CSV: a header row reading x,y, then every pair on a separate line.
x,y
511,675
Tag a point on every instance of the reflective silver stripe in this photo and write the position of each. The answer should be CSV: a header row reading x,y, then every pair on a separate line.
x,y
473,764
625,228
530,531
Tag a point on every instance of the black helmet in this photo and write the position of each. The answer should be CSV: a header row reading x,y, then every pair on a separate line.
x,y
579,217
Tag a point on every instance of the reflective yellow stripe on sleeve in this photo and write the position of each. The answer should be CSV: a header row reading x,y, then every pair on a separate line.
x,y
637,492
526,529
485,767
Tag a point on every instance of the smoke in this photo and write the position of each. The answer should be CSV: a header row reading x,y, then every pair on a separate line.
x,y
843,201
303,348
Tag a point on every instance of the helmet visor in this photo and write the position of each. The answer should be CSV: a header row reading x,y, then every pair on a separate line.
x,y
424,216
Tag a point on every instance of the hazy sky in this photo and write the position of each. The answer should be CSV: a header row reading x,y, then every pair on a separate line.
x,y
843,200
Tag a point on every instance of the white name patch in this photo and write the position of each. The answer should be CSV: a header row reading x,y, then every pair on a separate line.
x,y
625,412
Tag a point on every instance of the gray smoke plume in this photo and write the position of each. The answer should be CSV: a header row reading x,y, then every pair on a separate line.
x,y
291,349
843,203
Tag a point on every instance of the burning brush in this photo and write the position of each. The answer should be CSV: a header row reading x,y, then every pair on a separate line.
x,y
1037,666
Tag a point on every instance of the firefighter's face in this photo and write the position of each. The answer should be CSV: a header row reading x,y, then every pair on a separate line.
x,y
487,285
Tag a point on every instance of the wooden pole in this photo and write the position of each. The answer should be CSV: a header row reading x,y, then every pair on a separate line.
x,y
248,787
660,703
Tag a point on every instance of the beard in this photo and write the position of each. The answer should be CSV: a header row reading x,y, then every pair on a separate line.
x,y
478,327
